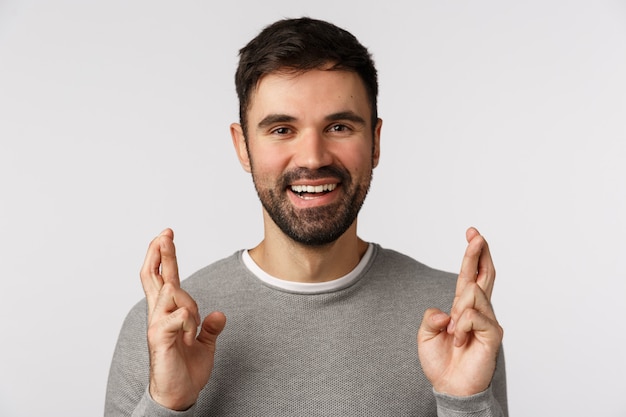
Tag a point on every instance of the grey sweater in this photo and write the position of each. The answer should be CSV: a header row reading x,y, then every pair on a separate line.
x,y
350,352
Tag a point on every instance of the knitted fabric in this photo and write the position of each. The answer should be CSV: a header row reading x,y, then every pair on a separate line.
x,y
351,352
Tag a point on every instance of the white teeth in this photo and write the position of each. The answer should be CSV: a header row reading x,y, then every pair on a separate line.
x,y
313,188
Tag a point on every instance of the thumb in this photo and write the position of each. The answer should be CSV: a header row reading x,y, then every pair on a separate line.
x,y
434,322
212,326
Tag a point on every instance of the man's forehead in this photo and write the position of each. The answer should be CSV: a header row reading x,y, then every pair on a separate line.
x,y
286,79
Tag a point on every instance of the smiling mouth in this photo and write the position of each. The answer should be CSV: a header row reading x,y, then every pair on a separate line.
x,y
311,191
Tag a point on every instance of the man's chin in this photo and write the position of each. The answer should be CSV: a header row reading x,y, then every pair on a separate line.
x,y
314,241
315,237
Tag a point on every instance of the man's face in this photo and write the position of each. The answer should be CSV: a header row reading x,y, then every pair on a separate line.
x,y
311,150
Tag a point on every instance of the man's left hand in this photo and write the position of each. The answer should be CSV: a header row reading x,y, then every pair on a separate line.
x,y
458,351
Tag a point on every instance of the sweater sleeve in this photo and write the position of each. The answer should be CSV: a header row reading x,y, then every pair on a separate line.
x,y
148,407
492,402
130,366
483,404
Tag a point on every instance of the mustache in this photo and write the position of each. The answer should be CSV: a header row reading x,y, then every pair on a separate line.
x,y
301,173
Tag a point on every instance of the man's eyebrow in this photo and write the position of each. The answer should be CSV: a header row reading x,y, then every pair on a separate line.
x,y
346,115
270,119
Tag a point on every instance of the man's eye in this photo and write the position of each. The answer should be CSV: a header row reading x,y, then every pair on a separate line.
x,y
338,128
281,130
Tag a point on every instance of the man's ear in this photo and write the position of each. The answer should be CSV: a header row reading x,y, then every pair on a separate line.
x,y
241,147
376,150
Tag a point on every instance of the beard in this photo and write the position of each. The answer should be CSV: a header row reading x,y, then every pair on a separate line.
x,y
315,226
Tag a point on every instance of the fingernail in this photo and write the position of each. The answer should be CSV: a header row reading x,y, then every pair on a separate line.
x,y
438,317
451,326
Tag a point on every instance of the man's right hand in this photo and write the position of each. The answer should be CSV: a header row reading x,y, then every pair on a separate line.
x,y
180,362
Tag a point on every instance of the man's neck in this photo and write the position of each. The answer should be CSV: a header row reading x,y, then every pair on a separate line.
x,y
283,258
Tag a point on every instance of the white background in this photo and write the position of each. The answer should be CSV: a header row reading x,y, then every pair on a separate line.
x,y
510,116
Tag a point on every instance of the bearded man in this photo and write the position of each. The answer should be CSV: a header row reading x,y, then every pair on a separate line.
x,y
320,322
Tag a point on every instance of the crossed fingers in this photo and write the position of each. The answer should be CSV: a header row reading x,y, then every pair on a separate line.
x,y
168,305
471,310
159,266
477,266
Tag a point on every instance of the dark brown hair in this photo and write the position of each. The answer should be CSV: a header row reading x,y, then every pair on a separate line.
x,y
300,45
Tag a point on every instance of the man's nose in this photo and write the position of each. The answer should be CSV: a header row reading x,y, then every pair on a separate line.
x,y
313,150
